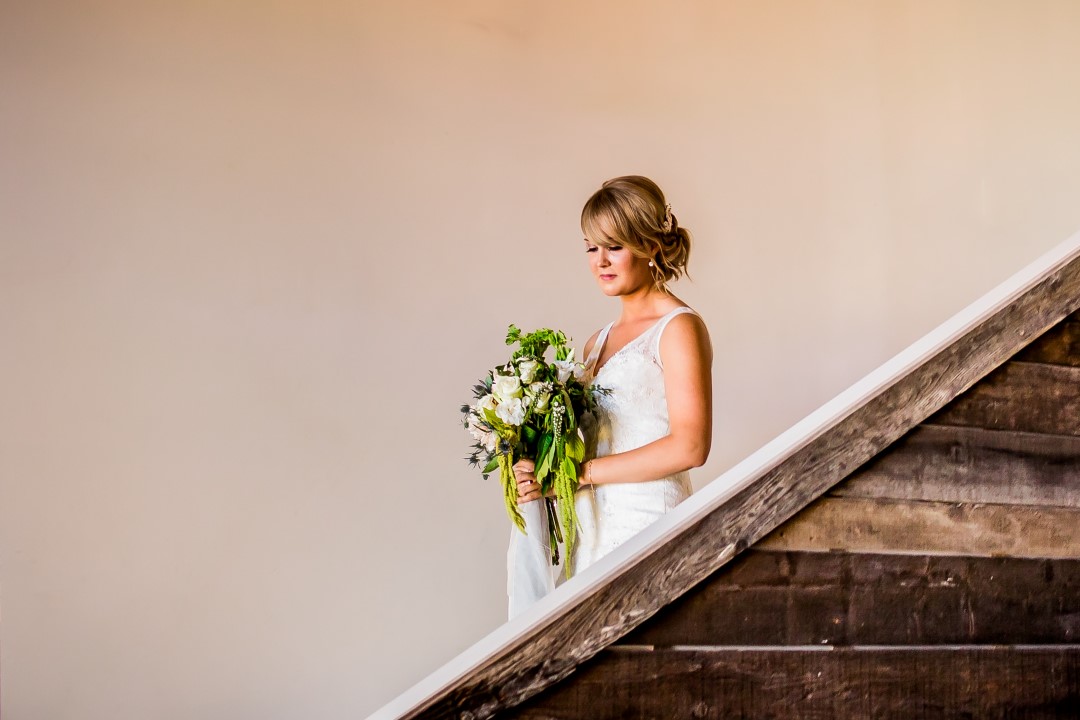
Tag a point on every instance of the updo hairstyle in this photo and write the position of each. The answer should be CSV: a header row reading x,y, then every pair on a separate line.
x,y
631,211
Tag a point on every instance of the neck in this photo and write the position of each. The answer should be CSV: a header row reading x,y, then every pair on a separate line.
x,y
641,303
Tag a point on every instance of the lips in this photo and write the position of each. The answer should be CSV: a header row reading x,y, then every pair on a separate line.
x,y
607,277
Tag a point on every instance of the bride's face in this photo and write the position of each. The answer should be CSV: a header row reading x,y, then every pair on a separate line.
x,y
616,269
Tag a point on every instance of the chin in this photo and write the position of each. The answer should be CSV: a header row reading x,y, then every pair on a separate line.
x,y
618,289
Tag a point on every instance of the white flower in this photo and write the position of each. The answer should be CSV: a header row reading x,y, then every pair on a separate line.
x,y
579,371
539,391
511,411
564,369
485,403
485,437
527,368
506,387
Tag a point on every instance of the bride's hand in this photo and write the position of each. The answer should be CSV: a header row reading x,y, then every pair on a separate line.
x,y
528,488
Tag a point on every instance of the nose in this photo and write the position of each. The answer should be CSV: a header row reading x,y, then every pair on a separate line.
x,y
603,258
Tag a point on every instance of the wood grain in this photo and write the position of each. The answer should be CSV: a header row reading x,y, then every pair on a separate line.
x,y
792,598
961,464
591,621
920,527
1060,345
1024,396
824,684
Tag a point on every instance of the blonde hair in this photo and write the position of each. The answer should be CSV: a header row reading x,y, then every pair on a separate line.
x,y
631,211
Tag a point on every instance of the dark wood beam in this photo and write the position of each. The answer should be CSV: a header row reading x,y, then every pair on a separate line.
x,y
1023,396
962,464
850,683
874,525
1060,346
800,598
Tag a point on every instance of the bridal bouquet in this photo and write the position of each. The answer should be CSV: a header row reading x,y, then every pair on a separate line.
x,y
529,408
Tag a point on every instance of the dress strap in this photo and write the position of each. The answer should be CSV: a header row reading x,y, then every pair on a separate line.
x,y
594,354
658,329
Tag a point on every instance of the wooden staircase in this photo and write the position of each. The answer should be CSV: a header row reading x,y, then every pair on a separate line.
x,y
941,579
909,550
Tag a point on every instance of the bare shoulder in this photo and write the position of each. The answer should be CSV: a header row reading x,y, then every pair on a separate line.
x,y
686,338
589,346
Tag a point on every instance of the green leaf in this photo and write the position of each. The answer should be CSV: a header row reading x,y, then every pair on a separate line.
x,y
568,468
544,466
544,446
492,464
513,334
575,448
571,421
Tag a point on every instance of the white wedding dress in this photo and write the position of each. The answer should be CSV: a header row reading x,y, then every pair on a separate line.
x,y
632,415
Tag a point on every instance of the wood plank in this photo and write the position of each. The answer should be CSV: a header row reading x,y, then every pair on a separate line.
x,y
961,464
1024,396
1060,346
883,525
790,598
902,683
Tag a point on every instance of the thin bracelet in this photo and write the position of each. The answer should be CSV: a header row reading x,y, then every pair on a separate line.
x,y
588,472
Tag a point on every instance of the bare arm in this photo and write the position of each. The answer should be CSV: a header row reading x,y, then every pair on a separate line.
x,y
686,354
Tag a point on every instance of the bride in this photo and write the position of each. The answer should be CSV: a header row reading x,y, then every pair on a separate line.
x,y
656,360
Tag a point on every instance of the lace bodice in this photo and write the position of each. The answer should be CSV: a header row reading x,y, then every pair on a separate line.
x,y
635,412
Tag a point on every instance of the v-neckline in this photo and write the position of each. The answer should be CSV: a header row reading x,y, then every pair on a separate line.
x,y
643,333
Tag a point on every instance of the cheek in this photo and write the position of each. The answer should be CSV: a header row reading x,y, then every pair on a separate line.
x,y
630,264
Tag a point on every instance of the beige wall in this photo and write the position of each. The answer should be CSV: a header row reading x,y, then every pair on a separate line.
x,y
254,254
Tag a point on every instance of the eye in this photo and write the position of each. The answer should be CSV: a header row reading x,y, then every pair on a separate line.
x,y
590,248
614,247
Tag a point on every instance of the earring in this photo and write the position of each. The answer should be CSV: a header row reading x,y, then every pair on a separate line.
x,y
650,263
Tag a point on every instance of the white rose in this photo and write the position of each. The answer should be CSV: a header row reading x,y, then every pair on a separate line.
x,y
539,391
527,368
485,403
506,387
511,411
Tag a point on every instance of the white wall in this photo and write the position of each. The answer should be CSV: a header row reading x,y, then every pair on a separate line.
x,y
253,256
